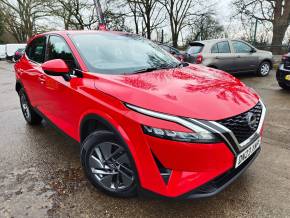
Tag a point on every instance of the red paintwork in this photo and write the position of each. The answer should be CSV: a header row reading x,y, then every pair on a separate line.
x,y
55,66
193,91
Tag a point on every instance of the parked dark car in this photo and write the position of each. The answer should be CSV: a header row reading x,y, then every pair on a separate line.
x,y
232,56
175,52
283,72
18,54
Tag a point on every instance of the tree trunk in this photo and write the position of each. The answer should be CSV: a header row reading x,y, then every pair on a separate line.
x,y
175,40
279,31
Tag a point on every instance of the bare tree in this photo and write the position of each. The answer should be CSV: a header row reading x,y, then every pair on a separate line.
x,y
180,14
21,16
277,12
151,13
205,27
76,14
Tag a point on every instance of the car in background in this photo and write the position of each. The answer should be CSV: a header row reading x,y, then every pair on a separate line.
x,y
18,54
283,72
11,49
232,56
175,52
2,52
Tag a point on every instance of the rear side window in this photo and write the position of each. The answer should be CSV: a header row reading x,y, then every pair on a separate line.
x,y
58,49
195,49
36,50
241,47
221,47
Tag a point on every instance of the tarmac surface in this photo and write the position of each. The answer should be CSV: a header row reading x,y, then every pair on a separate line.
x,y
41,175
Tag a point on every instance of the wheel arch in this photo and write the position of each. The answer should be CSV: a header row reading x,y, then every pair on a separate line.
x,y
267,60
92,122
18,86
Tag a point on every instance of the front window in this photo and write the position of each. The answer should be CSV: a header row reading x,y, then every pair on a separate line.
x,y
241,47
109,53
58,49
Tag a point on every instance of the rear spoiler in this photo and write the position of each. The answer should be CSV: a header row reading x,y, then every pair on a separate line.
x,y
196,43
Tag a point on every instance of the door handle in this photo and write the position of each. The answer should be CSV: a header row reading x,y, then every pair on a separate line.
x,y
41,78
239,56
216,57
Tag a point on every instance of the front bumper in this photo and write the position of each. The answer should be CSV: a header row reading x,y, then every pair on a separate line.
x,y
282,73
193,170
212,187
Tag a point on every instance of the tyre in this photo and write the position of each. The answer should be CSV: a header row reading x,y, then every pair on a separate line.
x,y
31,117
264,69
284,86
108,164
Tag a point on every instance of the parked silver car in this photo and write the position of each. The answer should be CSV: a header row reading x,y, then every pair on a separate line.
x,y
230,55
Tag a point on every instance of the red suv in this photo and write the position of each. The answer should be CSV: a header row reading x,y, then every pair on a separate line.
x,y
145,121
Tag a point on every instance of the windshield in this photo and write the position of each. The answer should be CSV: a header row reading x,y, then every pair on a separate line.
x,y
109,53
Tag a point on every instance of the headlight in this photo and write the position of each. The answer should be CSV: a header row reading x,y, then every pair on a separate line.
x,y
200,132
204,137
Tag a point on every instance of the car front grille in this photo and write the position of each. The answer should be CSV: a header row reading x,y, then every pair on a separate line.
x,y
244,125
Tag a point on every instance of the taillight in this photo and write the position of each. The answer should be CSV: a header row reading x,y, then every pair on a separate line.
x,y
198,59
17,53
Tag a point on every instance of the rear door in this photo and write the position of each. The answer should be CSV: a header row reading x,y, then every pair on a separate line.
x,y
222,56
246,59
32,75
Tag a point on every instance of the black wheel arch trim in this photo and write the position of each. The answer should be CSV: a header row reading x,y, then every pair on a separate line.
x,y
116,133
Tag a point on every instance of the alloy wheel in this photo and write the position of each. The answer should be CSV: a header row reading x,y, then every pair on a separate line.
x,y
265,69
110,166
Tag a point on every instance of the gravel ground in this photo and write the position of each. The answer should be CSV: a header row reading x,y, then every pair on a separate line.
x,y
41,176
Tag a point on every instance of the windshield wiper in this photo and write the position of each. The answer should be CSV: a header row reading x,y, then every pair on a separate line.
x,y
149,69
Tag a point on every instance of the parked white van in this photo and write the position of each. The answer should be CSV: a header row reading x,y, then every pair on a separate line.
x,y
12,48
2,51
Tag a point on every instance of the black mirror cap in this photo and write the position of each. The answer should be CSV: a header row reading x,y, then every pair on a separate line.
x,y
253,50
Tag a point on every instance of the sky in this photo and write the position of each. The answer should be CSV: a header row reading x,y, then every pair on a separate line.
x,y
224,11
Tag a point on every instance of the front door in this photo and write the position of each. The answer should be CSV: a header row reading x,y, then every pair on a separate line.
x,y
61,105
246,60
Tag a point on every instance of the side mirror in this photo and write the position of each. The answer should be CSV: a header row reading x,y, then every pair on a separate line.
x,y
253,50
56,67
173,52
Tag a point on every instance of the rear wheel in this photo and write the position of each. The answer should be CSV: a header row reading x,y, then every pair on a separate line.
x,y
264,69
108,164
29,114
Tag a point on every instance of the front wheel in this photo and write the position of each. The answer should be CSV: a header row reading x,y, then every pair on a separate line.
x,y
108,164
264,69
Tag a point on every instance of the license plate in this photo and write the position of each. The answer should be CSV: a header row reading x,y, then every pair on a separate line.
x,y
287,77
242,157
